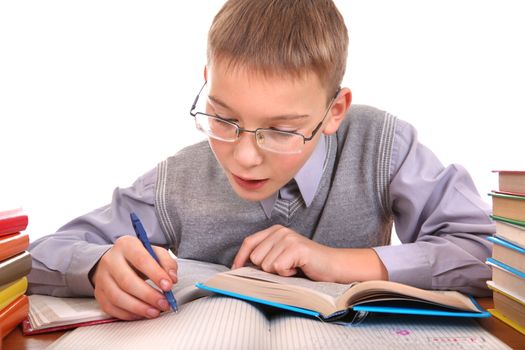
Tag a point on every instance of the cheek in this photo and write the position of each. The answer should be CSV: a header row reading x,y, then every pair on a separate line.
x,y
222,150
287,166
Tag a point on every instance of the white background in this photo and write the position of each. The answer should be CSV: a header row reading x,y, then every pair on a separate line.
x,y
95,93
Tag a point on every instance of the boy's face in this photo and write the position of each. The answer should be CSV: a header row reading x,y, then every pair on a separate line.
x,y
253,101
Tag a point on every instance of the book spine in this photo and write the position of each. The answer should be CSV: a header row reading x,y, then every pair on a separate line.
x,y
15,268
12,245
10,292
13,224
13,314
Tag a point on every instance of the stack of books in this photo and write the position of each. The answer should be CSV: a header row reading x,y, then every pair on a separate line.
x,y
15,265
508,254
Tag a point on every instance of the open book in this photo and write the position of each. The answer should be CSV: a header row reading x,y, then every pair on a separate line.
x,y
333,301
49,314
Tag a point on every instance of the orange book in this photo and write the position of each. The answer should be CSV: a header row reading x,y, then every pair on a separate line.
x,y
508,206
13,244
13,314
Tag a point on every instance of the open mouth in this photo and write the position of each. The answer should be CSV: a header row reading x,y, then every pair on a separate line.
x,y
249,184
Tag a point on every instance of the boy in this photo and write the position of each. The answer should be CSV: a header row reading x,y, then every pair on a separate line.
x,y
292,179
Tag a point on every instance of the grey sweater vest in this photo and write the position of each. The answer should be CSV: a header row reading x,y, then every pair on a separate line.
x,y
204,219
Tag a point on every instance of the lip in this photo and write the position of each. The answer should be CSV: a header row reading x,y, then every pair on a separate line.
x,y
249,184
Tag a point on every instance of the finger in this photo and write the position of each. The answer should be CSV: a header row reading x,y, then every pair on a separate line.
x,y
113,310
121,314
287,262
249,244
141,260
167,262
110,309
284,255
265,253
122,300
128,281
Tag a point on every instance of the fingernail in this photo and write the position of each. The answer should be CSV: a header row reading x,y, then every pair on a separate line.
x,y
152,312
173,275
163,303
164,284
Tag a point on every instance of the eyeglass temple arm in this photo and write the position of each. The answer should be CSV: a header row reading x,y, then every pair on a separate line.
x,y
314,132
194,105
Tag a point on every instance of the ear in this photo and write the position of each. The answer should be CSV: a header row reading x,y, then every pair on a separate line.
x,y
338,111
205,73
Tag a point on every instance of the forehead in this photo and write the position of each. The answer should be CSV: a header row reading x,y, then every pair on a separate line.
x,y
243,84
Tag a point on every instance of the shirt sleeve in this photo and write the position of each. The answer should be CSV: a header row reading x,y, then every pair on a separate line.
x,y
440,219
62,261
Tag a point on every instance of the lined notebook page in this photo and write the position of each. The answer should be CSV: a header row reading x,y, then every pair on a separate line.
x,y
227,323
208,323
382,332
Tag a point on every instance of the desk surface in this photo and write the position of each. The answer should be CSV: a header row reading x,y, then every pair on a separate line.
x,y
15,340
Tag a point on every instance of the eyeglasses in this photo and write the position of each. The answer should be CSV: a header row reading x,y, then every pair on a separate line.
x,y
273,140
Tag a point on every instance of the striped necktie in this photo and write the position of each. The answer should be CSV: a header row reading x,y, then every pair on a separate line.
x,y
289,200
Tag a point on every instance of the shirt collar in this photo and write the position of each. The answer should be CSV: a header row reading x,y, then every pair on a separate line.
x,y
307,178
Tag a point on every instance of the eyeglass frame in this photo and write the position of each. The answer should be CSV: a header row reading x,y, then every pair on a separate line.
x,y
240,129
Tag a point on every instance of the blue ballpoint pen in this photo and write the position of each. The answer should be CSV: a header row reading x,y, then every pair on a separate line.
x,y
141,234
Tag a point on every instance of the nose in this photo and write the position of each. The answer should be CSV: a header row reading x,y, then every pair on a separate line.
x,y
246,151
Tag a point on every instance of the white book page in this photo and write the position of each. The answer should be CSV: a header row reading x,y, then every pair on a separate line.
x,y
333,290
207,323
385,332
51,311
190,272
193,271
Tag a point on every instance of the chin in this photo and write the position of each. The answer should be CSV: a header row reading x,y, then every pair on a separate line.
x,y
252,196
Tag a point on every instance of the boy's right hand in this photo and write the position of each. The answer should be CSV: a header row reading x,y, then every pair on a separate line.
x,y
118,288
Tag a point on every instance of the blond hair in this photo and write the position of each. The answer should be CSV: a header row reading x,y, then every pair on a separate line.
x,y
281,37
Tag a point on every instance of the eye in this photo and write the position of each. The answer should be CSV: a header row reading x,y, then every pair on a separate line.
x,y
226,118
284,128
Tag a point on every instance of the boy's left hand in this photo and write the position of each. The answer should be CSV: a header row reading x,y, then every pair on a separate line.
x,y
283,251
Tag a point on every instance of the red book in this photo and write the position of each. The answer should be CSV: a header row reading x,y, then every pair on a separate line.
x,y
13,244
12,221
13,314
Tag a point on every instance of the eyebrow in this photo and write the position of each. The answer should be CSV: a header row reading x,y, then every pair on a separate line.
x,y
285,117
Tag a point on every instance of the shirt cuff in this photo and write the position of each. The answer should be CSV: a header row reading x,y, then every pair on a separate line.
x,y
85,256
407,264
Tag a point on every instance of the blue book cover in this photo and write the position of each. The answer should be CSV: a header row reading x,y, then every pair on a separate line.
x,y
506,244
509,269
